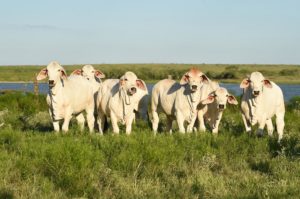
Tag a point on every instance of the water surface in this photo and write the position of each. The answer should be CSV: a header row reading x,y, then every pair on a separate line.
x,y
289,90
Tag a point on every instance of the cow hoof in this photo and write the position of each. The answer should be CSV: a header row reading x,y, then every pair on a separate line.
x,y
259,133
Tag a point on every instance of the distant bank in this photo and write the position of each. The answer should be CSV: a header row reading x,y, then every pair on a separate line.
x,y
229,73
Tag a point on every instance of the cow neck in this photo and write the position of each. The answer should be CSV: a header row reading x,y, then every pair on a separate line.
x,y
53,93
191,98
126,100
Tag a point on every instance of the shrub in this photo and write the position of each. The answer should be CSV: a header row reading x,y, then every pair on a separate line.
x,y
289,72
226,75
294,104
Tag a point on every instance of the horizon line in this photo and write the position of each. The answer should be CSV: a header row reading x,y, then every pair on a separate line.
x,y
151,63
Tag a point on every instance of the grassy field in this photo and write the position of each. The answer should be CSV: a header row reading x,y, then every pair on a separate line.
x,y
154,72
36,163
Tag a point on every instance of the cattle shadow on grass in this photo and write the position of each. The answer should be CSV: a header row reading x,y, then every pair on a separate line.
x,y
7,194
289,147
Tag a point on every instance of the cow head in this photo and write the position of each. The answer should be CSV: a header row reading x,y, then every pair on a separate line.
x,y
89,72
256,81
130,83
55,73
195,78
220,97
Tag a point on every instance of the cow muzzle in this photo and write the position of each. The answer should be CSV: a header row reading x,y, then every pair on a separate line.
x,y
256,93
132,91
194,88
221,106
51,83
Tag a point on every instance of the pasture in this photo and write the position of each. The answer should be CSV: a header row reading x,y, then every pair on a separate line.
x,y
36,163
154,72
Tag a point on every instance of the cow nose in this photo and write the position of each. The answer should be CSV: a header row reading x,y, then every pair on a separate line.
x,y
51,82
133,89
194,87
256,92
221,106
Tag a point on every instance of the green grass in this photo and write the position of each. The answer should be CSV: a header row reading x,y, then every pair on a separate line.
x,y
155,72
36,163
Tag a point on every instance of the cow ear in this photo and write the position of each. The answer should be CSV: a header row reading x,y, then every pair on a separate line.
x,y
267,83
122,81
77,72
63,74
205,79
210,99
231,100
245,83
141,84
99,74
42,74
184,79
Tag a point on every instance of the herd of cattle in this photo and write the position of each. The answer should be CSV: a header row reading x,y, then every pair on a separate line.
x,y
194,100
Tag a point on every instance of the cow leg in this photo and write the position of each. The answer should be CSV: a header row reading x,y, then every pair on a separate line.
x,y
54,122
261,126
114,122
80,120
270,127
65,126
56,126
90,118
129,122
215,127
155,121
190,126
169,124
154,113
100,121
201,121
180,122
280,125
246,124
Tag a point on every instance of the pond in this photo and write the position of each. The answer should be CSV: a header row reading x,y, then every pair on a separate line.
x,y
289,90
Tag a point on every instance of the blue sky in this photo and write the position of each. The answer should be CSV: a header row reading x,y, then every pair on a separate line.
x,y
156,31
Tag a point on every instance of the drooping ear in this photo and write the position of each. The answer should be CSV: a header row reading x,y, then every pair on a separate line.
x,y
210,99
205,79
267,83
122,81
231,100
77,72
42,74
99,74
184,79
63,74
245,83
141,84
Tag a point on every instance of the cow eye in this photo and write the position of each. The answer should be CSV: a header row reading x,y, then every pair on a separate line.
x,y
58,70
93,71
126,79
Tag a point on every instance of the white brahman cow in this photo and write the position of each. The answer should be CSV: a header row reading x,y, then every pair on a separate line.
x,y
177,101
211,109
118,99
68,96
91,74
94,77
261,100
